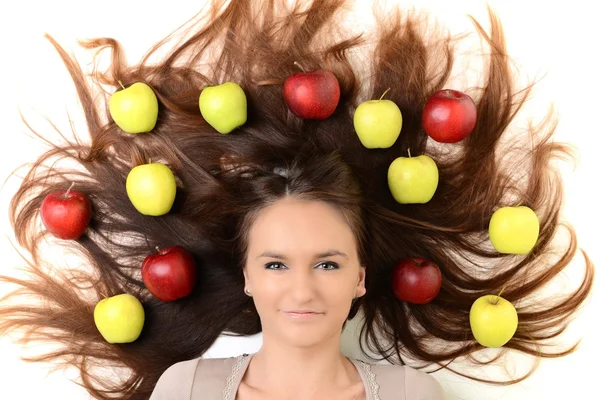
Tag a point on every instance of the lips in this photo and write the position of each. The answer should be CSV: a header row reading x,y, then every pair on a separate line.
x,y
302,314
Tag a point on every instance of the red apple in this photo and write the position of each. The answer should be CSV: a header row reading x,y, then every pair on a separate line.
x,y
449,116
416,280
312,95
66,213
170,273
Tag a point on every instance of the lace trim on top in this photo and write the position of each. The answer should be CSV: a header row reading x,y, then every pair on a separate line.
x,y
231,379
373,385
228,393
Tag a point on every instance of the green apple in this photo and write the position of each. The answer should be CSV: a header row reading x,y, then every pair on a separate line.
x,y
493,320
134,109
413,180
378,123
119,318
224,106
151,188
514,230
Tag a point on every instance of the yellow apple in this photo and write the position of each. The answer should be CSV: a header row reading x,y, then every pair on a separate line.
x,y
514,230
413,180
119,318
493,320
134,109
378,123
224,106
151,188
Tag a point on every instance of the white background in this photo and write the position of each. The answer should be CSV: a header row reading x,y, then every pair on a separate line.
x,y
559,39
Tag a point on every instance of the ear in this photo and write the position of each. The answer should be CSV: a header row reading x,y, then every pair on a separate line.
x,y
360,287
245,275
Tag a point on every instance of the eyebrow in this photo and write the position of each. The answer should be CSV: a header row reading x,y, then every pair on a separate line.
x,y
328,253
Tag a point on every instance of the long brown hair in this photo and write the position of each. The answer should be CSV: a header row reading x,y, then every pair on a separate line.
x,y
258,47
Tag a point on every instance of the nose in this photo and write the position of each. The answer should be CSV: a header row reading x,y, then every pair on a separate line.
x,y
302,285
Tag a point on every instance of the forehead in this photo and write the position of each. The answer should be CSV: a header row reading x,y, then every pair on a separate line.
x,y
297,226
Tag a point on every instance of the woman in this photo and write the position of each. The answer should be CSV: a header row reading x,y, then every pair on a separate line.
x,y
293,188
304,249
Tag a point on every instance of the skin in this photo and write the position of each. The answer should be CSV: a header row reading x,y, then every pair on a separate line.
x,y
301,359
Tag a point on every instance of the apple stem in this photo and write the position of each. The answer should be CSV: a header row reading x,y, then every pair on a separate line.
x,y
69,190
384,93
299,66
157,249
150,160
409,156
121,83
498,296
521,202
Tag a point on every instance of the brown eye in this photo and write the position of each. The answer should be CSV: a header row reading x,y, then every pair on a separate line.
x,y
329,265
274,265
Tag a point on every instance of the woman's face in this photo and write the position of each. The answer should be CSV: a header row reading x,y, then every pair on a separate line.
x,y
302,256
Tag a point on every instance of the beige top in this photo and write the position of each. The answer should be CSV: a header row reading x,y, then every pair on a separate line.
x,y
220,378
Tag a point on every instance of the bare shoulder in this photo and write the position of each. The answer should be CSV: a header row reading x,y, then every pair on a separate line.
x,y
414,384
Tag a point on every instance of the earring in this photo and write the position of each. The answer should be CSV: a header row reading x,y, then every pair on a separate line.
x,y
247,291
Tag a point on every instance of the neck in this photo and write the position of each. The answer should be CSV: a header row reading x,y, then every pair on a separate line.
x,y
313,368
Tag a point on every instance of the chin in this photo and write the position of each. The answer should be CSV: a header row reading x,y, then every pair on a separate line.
x,y
309,335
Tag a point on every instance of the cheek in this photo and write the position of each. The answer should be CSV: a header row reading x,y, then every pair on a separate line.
x,y
268,291
335,293
339,287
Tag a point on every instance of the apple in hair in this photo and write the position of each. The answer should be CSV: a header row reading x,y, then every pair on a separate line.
x,y
416,280
514,230
449,116
312,95
66,214
224,106
120,318
170,273
134,109
493,320
378,123
413,180
151,188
